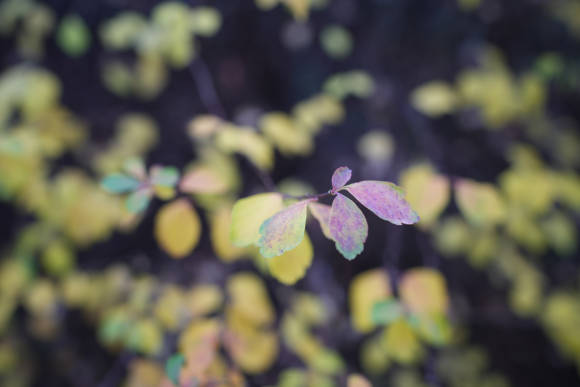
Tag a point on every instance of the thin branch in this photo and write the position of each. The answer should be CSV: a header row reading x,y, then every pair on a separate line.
x,y
205,87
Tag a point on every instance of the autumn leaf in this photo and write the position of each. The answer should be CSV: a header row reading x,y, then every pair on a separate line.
x,y
385,200
284,230
291,266
423,291
202,180
348,226
340,177
322,213
365,291
249,213
177,228
480,203
119,183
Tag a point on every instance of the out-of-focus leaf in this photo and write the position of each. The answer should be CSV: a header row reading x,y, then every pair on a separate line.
x,y
173,367
291,266
250,298
73,36
561,233
366,289
220,225
427,192
247,142
385,200
177,228
423,291
322,213
336,41
164,176
284,230
480,203
203,180
401,343
289,137
376,146
58,258
434,99
205,21
119,183
249,213
386,311
348,226
357,380
340,177
138,201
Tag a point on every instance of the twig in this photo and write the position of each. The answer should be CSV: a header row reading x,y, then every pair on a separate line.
x,y
206,88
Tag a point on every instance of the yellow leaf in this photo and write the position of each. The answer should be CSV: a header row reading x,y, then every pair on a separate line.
x,y
204,299
423,291
177,228
434,99
365,290
289,137
249,297
247,142
480,203
291,266
255,352
220,225
248,215
401,343
427,192
357,380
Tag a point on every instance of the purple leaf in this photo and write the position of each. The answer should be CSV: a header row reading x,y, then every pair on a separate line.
x,y
348,226
322,213
385,200
340,177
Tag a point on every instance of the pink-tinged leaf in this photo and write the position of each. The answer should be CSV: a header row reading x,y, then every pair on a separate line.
x,y
202,180
322,213
284,230
164,176
136,168
340,177
385,200
138,200
348,226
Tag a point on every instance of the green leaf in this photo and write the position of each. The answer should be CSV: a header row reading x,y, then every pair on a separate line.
x,y
119,183
284,230
386,311
173,367
73,36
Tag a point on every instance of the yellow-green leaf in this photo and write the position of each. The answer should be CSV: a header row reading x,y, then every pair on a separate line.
x,y
291,266
248,215
177,228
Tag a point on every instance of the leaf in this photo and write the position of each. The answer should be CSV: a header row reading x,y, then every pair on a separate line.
x,y
203,180
291,266
322,213
173,367
357,380
136,168
366,289
386,311
340,177
248,215
424,292
427,192
177,228
164,176
284,230
220,225
401,343
73,36
249,297
434,99
480,203
385,200
119,183
348,226
138,200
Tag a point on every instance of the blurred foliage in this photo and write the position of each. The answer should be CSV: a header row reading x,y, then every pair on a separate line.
x,y
298,317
